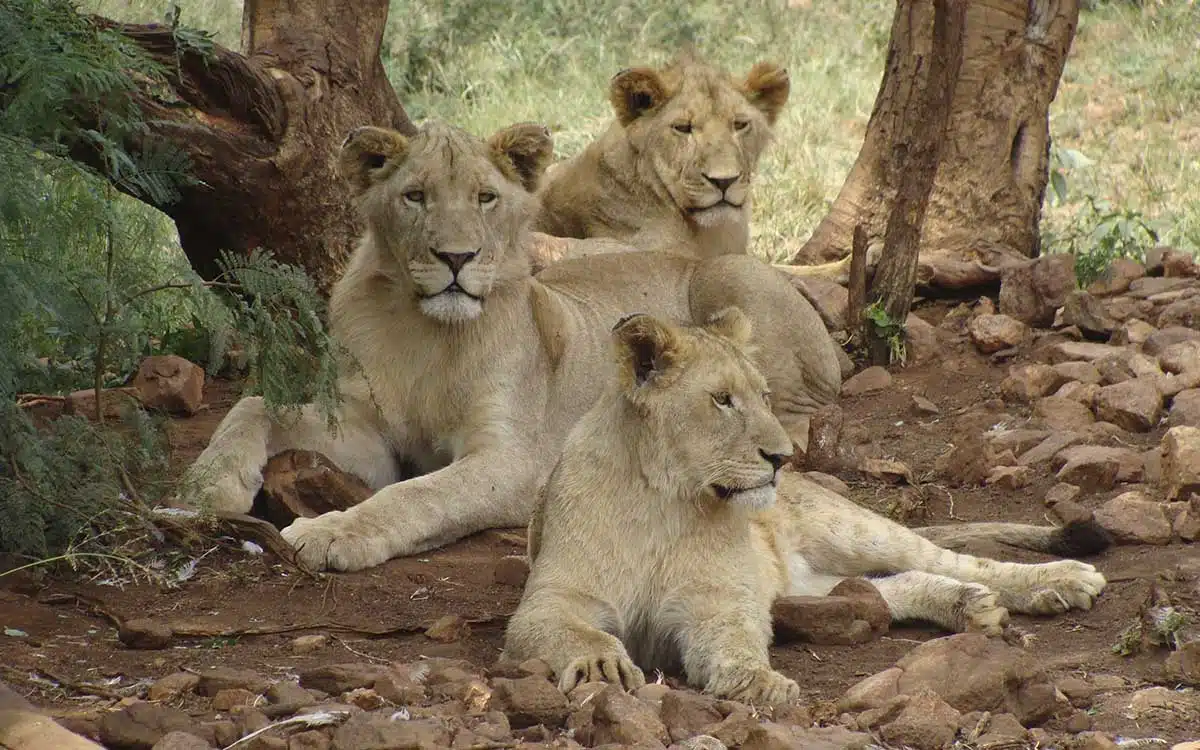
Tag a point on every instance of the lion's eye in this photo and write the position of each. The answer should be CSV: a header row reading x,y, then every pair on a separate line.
x,y
682,127
415,196
741,124
486,197
723,399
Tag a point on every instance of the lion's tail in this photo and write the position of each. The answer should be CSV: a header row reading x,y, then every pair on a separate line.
x,y
1078,538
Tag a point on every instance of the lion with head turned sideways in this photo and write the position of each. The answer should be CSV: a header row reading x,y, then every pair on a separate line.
x,y
668,527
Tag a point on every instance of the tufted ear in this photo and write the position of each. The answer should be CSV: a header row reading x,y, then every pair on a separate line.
x,y
767,87
522,152
732,324
647,348
368,154
634,91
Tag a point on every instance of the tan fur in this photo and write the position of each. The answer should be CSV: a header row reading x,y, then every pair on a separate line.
x,y
477,388
639,563
647,184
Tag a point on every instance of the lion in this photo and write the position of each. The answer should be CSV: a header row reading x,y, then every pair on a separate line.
x,y
669,526
468,369
673,171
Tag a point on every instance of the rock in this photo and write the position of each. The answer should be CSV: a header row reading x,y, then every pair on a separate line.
x,y
400,686
1184,313
1177,263
289,693
448,629
921,341
1010,478
226,699
310,740
1181,357
1062,492
336,679
1059,413
868,381
1090,472
1130,467
1033,291
686,713
926,723
181,741
620,718
1080,351
529,701
1183,664
1127,308
113,401
1133,518
1084,372
1078,691
707,741
1027,383
819,619
924,406
172,687
145,633
1085,312
1181,462
868,603
1048,448
892,472
376,731
1081,393
138,726
1134,332
305,484
170,383
216,679
1173,385
1017,441
771,736
1094,741
1158,342
307,644
1187,523
823,453
1117,277
513,570
991,333
1134,405
828,298
1152,286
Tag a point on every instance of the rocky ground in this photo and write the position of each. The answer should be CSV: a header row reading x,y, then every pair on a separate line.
x,y
1041,403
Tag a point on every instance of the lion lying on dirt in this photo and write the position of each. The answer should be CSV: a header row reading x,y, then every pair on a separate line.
x,y
659,543
470,369
673,171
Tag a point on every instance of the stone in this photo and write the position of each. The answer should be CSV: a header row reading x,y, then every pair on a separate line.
x,y
686,713
289,693
170,383
1130,464
1080,351
921,341
1134,405
1158,341
305,484
226,699
1094,741
1176,263
1187,522
448,629
310,740
1085,312
1181,462
769,735
307,644
1134,331
819,619
1046,450
828,298
172,687
1185,409
376,731
1062,492
1133,518
399,686
139,725
529,701
1184,313
705,741
868,603
620,718
1084,372
113,402
1155,285
1173,385
216,679
926,723
869,380
1081,393
512,570
1009,478
1017,441
145,633
1059,413
1117,277
992,333
1090,472
1027,383
1078,691
1128,308
1183,665
1180,357
181,741
924,406
1033,291
336,679
892,472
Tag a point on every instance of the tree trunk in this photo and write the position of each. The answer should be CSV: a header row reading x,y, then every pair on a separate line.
x,y
987,195
262,128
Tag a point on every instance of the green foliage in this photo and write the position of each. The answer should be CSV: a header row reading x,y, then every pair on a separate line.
x,y
1101,234
887,329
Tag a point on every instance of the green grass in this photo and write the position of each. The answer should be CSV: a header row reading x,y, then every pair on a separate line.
x,y
1129,100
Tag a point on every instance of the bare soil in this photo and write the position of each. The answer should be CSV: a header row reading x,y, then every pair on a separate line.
x,y
70,641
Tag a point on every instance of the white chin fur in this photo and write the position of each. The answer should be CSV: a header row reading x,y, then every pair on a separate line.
x,y
718,215
759,498
451,307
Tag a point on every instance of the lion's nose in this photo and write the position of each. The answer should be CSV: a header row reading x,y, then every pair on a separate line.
x,y
721,183
455,261
775,459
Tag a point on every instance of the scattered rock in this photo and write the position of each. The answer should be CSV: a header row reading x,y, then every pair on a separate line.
x,y
1085,312
768,735
1117,277
1181,462
921,340
529,701
1134,405
991,333
1017,441
1009,478
307,644
1134,332
1078,691
1084,372
1062,492
376,731
1187,523
620,718
1155,285
1027,383
172,687
924,406
1183,664
310,740
868,381
215,679
289,693
1080,351
926,723
145,633
819,619
305,484
1184,313
1033,291
1133,518
513,570
1091,472
1049,448
1060,413
1081,393
448,628
828,298
892,472
336,679
1130,465
170,383
181,741
139,725
226,699
686,713
1181,357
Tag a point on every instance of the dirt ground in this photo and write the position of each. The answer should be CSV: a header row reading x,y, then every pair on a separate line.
x,y
69,642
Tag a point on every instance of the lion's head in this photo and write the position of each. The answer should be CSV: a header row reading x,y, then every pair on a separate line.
x,y
702,406
447,209
697,134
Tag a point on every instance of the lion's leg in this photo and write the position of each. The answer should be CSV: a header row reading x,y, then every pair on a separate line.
x,y
566,629
228,473
952,604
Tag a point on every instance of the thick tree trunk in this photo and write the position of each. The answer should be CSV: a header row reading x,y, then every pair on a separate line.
x,y
262,127
987,195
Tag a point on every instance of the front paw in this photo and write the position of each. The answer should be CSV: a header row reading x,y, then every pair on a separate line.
x,y
759,686
981,611
1060,586
617,669
337,540
214,490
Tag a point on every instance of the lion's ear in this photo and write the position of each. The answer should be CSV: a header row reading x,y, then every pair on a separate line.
x,y
767,86
647,348
732,324
522,152
634,91
368,153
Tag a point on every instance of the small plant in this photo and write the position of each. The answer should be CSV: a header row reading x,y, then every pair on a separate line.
x,y
1129,642
1101,234
887,329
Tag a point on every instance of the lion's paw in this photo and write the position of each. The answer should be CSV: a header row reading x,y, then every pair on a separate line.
x,y
1058,587
615,668
229,491
337,540
760,686
981,611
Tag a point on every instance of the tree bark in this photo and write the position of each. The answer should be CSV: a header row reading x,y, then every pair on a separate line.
x,y
987,194
262,127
